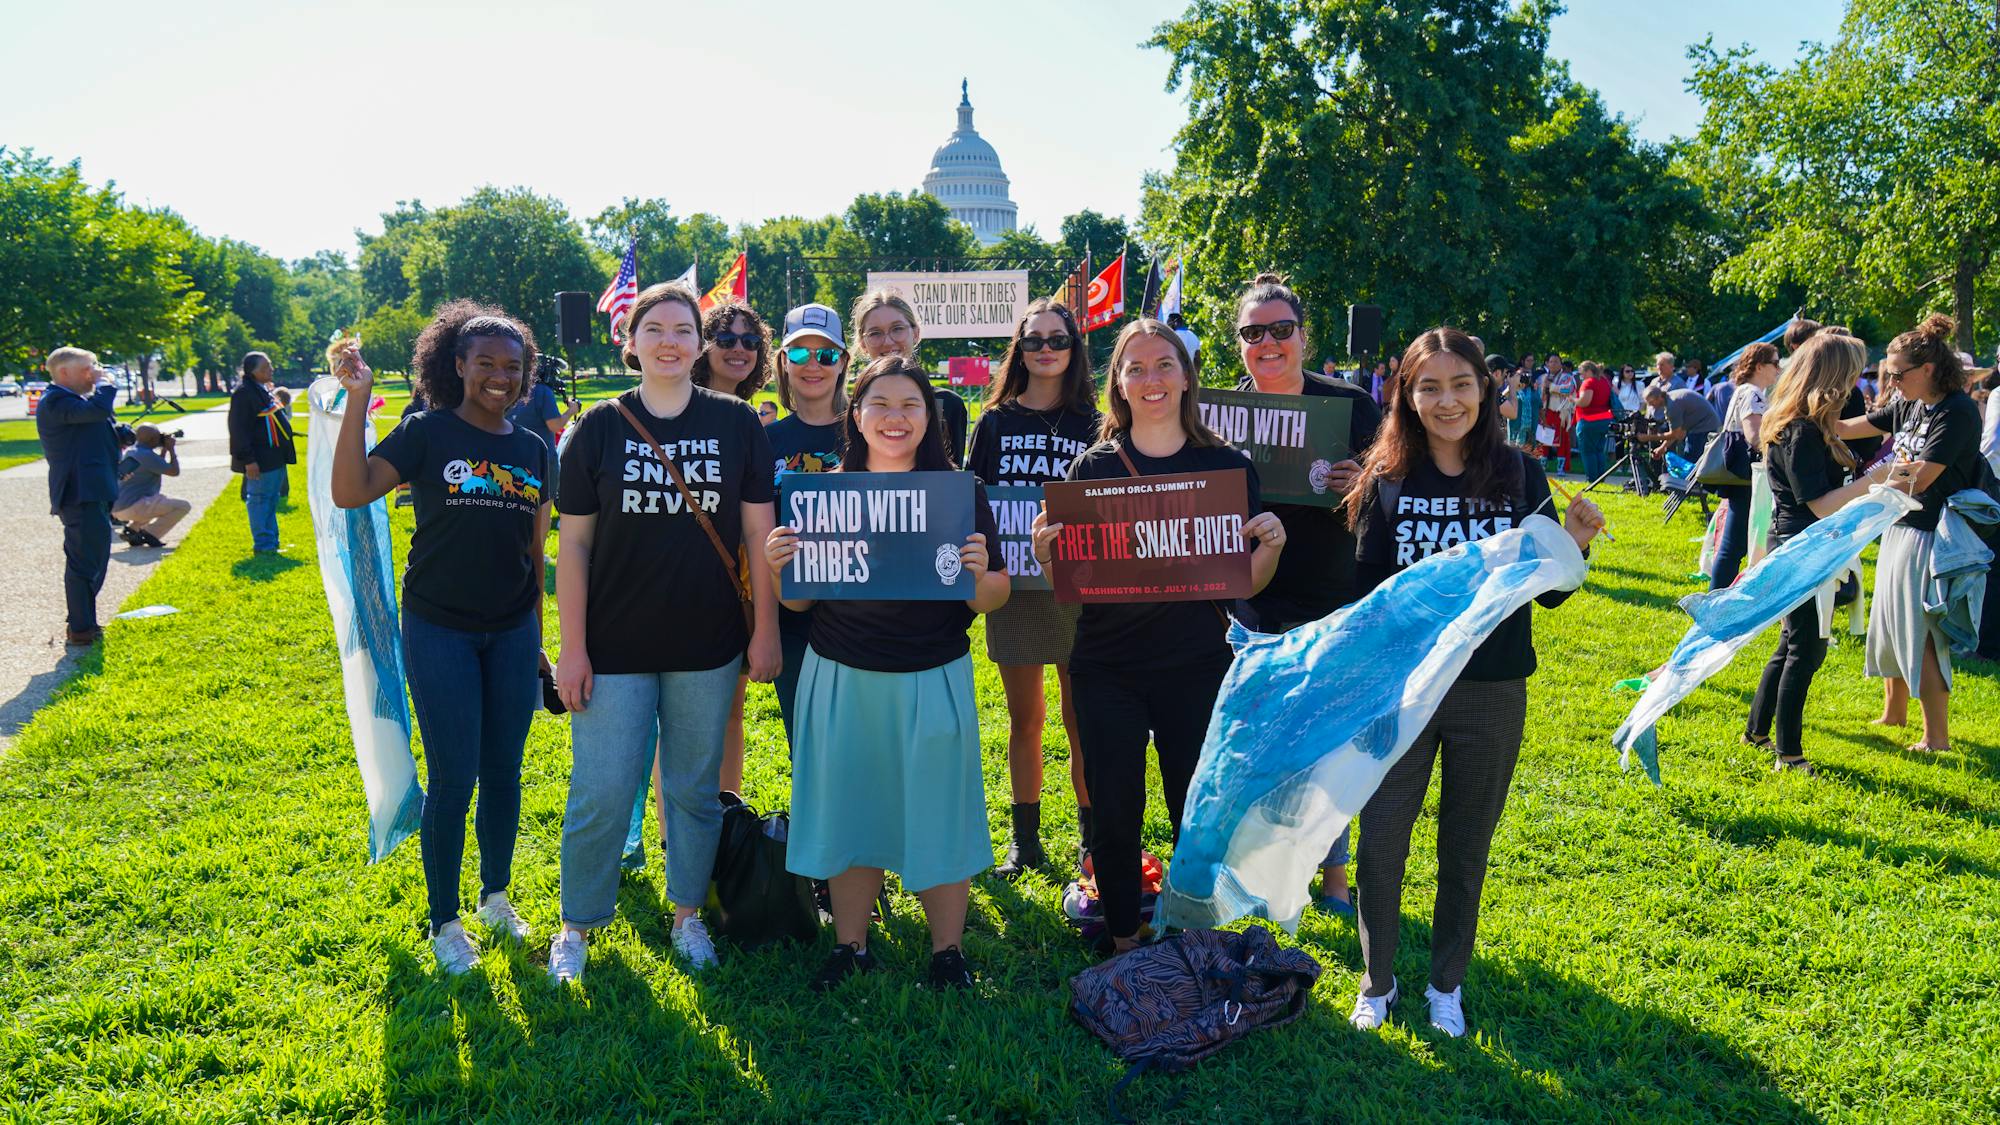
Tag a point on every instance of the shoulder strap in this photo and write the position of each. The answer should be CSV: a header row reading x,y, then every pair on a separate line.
x,y
728,557
1122,456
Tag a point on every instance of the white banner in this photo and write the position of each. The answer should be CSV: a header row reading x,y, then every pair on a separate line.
x,y
958,306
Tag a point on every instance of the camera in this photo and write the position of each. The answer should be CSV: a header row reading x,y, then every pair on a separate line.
x,y
552,371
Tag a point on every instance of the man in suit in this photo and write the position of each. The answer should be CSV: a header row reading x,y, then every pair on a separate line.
x,y
74,421
260,447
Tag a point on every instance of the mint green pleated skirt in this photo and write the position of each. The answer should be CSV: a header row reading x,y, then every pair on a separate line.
x,y
885,773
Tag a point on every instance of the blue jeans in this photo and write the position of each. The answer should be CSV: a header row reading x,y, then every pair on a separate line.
x,y
635,836
475,694
260,496
611,760
1591,441
1735,545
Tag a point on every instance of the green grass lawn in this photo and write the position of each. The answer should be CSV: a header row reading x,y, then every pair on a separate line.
x,y
189,929
19,443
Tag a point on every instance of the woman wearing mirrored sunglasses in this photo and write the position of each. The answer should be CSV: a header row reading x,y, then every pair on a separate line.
x,y
1316,573
1040,414
885,325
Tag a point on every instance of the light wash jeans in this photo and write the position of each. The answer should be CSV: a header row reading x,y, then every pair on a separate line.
x,y
260,496
611,758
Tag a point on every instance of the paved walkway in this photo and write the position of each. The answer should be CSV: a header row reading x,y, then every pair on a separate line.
x,y
33,659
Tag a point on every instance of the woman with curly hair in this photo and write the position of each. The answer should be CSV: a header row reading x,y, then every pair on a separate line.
x,y
1936,433
472,593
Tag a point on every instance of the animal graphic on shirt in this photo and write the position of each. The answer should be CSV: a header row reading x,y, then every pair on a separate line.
x,y
491,478
810,463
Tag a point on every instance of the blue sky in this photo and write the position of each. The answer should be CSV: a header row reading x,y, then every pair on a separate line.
x,y
289,125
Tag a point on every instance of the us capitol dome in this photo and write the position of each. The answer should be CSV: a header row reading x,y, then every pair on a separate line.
x,y
965,176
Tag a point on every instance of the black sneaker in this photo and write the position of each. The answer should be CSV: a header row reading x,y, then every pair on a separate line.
x,y
949,970
846,961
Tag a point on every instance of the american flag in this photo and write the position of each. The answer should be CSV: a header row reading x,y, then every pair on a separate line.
x,y
623,292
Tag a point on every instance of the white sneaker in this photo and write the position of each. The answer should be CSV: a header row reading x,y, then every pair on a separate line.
x,y
1371,1012
567,953
454,949
1447,1010
691,941
499,916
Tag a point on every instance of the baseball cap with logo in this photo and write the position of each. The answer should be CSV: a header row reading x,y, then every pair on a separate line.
x,y
812,320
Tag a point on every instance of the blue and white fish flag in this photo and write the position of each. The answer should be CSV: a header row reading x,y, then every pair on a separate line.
x,y
1726,620
1308,723
357,569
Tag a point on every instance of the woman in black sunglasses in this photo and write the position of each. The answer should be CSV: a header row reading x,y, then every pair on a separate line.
x,y
1316,573
736,351
1039,416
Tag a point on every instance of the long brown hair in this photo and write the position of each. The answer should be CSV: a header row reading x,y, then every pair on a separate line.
x,y
1817,382
1931,342
1401,444
1079,391
1118,419
931,456
718,319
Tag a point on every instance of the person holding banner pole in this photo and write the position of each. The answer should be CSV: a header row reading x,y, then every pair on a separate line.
x,y
1441,473
472,590
1040,414
653,615
885,770
1315,576
1149,666
886,325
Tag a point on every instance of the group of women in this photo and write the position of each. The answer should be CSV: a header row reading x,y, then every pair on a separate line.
x,y
668,603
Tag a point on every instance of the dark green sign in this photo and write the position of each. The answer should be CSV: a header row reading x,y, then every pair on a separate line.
x,y
1294,440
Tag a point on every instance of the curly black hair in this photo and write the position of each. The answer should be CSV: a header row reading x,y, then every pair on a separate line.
x,y
447,338
719,319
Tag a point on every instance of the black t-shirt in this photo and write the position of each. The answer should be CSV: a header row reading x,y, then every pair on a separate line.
x,y
1434,514
1864,449
952,423
1802,469
1945,434
1156,636
474,563
1315,573
903,636
1015,445
798,446
661,599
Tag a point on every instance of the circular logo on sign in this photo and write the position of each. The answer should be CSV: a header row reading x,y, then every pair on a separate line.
x,y
456,472
1318,474
948,564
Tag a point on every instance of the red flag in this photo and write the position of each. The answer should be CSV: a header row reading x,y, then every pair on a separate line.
x,y
1104,302
734,285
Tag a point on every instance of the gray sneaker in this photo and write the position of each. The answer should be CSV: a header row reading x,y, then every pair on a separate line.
x,y
498,915
567,953
692,942
455,952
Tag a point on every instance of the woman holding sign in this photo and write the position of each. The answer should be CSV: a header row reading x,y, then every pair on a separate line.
x,y
660,486
885,760
1315,575
1149,666
1039,416
1442,473
886,325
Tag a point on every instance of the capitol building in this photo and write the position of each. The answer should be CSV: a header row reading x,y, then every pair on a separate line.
x,y
965,176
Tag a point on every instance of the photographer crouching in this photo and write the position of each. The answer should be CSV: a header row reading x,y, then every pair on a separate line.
x,y
147,513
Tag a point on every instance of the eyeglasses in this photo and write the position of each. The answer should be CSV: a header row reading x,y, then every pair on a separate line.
x,y
827,356
748,341
901,331
1279,330
1056,343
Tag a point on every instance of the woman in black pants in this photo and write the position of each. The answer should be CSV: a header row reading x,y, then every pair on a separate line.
x,y
1807,462
1451,477
1150,665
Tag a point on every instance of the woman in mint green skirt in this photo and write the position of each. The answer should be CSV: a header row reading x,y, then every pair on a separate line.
x,y
885,746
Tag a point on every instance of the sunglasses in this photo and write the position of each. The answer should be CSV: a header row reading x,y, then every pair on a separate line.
x,y
748,341
1279,330
827,356
1056,343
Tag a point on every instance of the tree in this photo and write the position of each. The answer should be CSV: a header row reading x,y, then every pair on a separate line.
x,y
78,266
772,247
1865,170
512,249
1427,158
383,281
326,297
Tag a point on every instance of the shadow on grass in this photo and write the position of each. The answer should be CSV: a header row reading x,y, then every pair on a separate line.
x,y
264,568
1633,595
1757,830
1916,793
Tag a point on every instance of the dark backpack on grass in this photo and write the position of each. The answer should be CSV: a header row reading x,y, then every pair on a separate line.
x,y
1168,1005
756,900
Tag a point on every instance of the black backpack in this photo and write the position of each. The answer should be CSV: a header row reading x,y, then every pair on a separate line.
x,y
757,901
